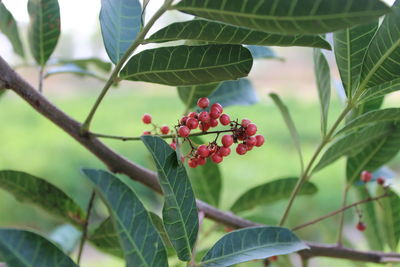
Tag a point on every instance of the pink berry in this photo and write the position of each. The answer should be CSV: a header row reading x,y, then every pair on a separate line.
x,y
204,117
192,163
241,149
249,147
203,102
173,146
227,140
380,180
201,161
183,120
251,129
183,131
192,123
213,122
251,141
260,140
361,226
214,114
204,126
217,106
216,158
192,115
366,176
225,119
245,122
164,129
146,118
203,151
146,133
224,151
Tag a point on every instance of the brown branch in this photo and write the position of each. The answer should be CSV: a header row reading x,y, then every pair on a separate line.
x,y
118,164
338,211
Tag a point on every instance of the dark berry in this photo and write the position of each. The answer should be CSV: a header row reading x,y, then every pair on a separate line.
x,y
241,149
361,226
164,129
203,102
183,131
225,119
146,118
380,180
183,120
227,140
366,176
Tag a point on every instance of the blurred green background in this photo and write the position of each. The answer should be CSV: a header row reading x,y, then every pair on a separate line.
x,y
32,144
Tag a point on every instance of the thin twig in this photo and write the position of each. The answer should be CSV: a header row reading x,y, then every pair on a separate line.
x,y
85,226
339,211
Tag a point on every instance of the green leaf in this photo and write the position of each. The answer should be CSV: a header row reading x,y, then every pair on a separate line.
x,y
9,27
379,91
19,248
381,61
287,16
262,52
250,244
190,94
189,65
323,76
374,155
389,218
85,63
269,193
350,46
370,118
31,189
105,238
352,143
290,124
221,33
138,237
120,22
179,212
44,28
66,237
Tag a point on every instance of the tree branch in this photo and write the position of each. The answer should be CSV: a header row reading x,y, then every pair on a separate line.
x,y
118,164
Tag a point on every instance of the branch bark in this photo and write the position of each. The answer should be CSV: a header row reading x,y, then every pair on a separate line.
x,y
118,164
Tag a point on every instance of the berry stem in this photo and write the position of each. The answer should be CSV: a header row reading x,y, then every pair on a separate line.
x,y
307,172
355,204
114,75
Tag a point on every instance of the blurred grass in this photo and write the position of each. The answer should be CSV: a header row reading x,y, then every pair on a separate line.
x,y
31,143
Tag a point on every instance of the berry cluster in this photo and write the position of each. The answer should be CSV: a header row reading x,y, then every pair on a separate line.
x,y
243,134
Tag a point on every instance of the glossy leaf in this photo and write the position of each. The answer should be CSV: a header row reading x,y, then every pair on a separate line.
x,y
374,155
138,237
189,65
269,193
9,27
323,76
350,46
44,28
238,93
66,237
381,61
389,215
86,63
352,143
105,238
250,244
262,52
290,125
23,248
217,32
180,211
120,22
71,69
286,16
31,189
379,91
370,118
190,94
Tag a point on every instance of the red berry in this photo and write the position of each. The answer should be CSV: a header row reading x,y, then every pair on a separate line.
x,y
251,141
183,131
213,122
245,122
361,226
146,133
204,126
164,129
173,146
366,176
260,140
251,129
192,163
227,140
380,180
201,161
183,120
146,118
192,115
216,158
203,151
182,159
215,113
273,258
249,147
224,151
204,117
241,149
192,123
217,106
225,119
203,102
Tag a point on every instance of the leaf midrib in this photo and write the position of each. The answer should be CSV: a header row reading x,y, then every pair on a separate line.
x,y
17,254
